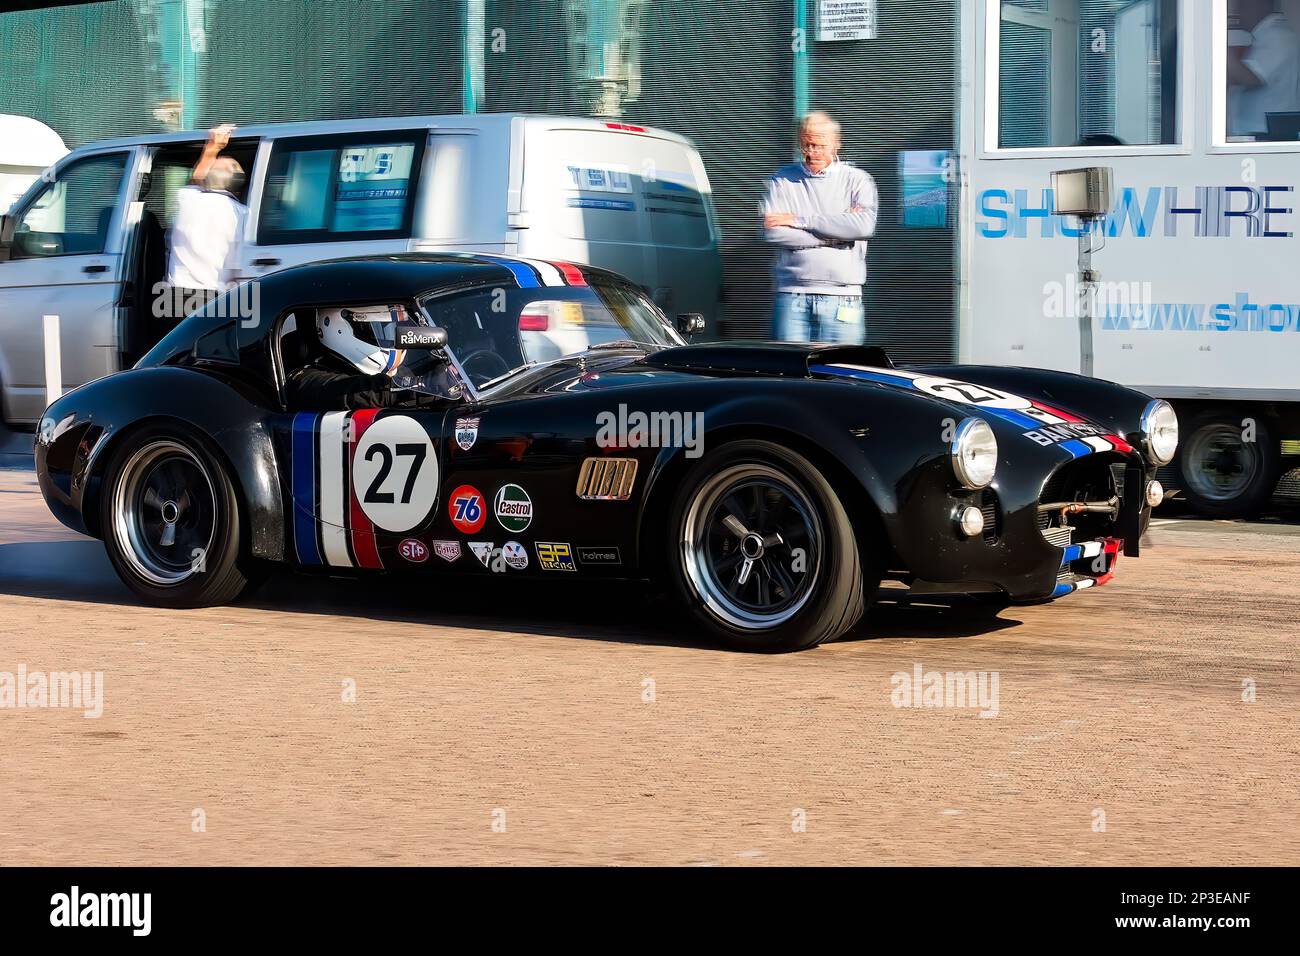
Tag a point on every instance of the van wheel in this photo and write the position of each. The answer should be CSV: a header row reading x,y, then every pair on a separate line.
x,y
1222,474
761,551
172,527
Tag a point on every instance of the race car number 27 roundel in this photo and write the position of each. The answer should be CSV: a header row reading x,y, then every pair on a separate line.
x,y
395,473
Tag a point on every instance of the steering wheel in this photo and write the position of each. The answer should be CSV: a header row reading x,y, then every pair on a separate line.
x,y
492,365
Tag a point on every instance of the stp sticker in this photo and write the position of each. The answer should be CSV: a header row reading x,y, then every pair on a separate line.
x,y
483,551
554,556
395,473
413,550
447,550
514,555
466,509
514,509
466,433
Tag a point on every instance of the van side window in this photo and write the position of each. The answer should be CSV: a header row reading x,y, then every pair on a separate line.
x,y
71,216
327,189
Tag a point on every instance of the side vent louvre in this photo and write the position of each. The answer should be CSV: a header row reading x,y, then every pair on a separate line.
x,y
988,503
606,479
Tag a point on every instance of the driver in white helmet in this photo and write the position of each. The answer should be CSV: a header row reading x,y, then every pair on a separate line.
x,y
359,364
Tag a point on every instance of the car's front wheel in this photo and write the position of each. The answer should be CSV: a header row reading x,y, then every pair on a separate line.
x,y
762,552
171,521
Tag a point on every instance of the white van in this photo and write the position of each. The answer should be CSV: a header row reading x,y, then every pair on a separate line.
x,y
90,245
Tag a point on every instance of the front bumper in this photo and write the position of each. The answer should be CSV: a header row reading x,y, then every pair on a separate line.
x,y
1086,565
1024,559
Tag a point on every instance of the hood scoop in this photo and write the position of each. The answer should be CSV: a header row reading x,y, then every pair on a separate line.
x,y
765,358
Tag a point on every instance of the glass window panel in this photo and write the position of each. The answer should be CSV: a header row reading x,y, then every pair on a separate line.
x,y
1087,73
71,216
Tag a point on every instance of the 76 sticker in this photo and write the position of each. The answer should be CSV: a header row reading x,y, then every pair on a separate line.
x,y
465,506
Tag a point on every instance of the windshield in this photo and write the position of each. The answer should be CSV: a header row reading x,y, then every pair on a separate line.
x,y
493,331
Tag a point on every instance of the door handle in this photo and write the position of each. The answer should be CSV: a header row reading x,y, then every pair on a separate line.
x,y
93,270
266,262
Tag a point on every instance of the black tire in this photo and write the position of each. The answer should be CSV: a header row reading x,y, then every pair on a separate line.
x,y
1220,474
168,471
788,506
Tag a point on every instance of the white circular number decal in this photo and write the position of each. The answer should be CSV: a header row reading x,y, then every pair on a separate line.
x,y
967,394
395,473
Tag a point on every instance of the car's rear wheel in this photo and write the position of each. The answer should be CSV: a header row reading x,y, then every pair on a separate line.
x,y
171,521
762,552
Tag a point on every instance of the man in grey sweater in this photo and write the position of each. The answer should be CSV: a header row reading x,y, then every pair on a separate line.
x,y
819,214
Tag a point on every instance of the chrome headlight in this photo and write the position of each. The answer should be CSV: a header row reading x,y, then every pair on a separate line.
x,y
974,453
1159,427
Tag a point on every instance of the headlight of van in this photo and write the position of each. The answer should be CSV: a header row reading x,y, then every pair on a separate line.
x,y
1160,430
974,453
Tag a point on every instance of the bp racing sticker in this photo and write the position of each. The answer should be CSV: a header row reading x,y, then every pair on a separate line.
x,y
514,509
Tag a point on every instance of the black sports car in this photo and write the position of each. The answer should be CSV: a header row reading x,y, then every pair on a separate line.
x,y
548,419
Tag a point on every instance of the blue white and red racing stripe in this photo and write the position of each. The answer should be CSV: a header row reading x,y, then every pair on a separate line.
x,y
362,537
572,274
533,273
302,479
329,526
1111,547
332,489
1029,416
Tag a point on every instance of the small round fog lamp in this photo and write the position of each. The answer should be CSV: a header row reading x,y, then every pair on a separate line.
x,y
970,521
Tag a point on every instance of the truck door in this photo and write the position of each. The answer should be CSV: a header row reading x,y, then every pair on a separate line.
x,y
66,257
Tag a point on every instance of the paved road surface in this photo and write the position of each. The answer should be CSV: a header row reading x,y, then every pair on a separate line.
x,y
529,707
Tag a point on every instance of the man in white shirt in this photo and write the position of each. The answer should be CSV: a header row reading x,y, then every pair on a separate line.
x,y
1264,76
206,230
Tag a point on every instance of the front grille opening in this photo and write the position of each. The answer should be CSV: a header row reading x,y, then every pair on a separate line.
x,y
1094,485
1059,537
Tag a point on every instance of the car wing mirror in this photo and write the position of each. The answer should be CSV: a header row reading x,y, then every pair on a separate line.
x,y
690,323
412,335
6,236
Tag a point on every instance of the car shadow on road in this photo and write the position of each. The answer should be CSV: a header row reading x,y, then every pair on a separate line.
x,y
617,611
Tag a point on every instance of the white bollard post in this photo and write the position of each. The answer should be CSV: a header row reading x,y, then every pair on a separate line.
x,y
53,360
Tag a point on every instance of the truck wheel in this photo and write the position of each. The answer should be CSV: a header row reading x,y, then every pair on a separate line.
x,y
761,551
1222,474
171,521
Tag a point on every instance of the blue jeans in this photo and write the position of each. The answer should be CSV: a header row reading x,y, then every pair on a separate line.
x,y
800,317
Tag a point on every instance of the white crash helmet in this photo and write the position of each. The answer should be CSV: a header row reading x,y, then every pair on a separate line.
x,y
362,337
